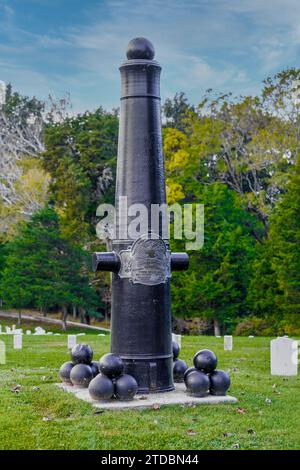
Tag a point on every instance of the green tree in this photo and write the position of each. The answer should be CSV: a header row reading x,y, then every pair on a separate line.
x,y
274,290
43,270
250,143
176,111
215,286
81,158
285,240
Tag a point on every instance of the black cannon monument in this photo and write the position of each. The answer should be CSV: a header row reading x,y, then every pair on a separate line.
x,y
141,267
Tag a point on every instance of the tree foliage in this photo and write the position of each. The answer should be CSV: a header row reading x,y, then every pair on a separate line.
x,y
43,270
80,156
239,156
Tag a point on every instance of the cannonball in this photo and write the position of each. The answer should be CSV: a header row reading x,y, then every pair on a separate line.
x,y
82,354
176,350
101,388
81,375
179,369
125,387
205,360
219,382
188,371
95,366
111,365
197,384
64,372
140,48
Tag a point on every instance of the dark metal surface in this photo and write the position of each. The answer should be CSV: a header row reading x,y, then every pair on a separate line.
x,y
106,261
141,315
179,261
219,382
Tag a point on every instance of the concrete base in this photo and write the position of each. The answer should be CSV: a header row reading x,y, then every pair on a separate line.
x,y
177,397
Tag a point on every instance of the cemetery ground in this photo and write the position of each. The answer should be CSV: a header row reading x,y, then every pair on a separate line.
x,y
35,414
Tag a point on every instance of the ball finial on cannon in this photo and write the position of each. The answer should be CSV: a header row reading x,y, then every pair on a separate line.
x,y
140,48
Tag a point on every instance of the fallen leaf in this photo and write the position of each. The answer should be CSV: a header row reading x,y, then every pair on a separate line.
x,y
36,389
241,411
16,389
143,397
268,401
46,418
156,406
274,385
251,431
191,432
227,434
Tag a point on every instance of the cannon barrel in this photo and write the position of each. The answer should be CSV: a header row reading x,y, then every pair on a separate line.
x,y
141,266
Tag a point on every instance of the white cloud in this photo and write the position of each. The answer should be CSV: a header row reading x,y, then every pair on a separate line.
x,y
224,44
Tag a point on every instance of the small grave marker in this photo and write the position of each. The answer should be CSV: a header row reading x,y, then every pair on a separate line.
x,y
18,341
71,341
39,331
177,339
228,343
284,356
2,353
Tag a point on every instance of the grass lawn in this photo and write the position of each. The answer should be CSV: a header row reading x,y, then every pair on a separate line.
x,y
41,416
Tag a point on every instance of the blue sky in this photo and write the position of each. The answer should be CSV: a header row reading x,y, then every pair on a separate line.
x,y
60,46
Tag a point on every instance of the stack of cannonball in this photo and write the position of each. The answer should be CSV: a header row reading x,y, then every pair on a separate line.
x,y
104,379
203,378
111,382
81,369
179,366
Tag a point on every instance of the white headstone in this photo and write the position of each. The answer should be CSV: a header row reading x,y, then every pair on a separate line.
x,y
28,332
284,356
71,341
228,343
17,341
8,330
250,336
177,339
17,331
101,334
81,334
39,331
13,327
0,329
218,336
2,353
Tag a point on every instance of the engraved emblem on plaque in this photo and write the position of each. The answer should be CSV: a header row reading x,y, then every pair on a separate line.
x,y
147,261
